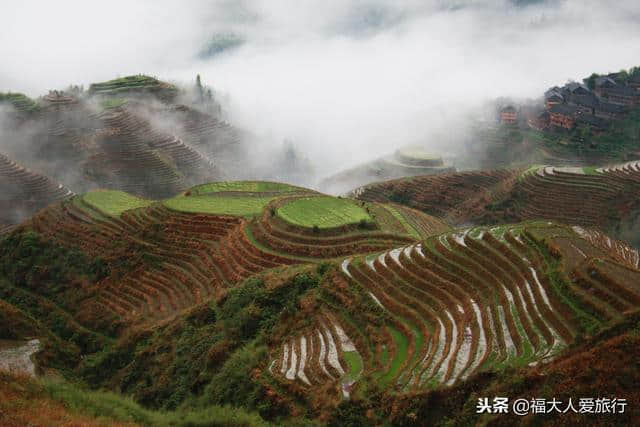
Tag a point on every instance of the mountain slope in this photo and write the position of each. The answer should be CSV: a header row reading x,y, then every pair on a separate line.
x,y
23,192
604,197
228,294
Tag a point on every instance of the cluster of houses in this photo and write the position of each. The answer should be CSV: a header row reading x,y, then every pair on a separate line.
x,y
575,104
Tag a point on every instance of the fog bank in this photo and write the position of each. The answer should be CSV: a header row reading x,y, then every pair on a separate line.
x,y
343,80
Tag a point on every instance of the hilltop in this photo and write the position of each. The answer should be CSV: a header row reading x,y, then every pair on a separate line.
x,y
134,85
136,134
212,237
280,300
405,161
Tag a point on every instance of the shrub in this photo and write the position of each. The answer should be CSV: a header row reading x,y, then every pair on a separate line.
x,y
349,413
400,196
234,384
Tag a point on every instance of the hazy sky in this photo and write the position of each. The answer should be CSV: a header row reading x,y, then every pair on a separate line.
x,y
344,79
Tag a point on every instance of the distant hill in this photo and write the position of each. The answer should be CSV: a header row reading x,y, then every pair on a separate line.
x,y
606,197
406,161
135,85
24,192
132,134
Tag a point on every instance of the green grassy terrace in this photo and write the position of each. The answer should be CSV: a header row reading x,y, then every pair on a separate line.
x,y
126,83
112,103
323,212
243,186
19,101
417,153
113,202
246,206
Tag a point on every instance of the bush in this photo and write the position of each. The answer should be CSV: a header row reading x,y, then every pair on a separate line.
x,y
28,261
349,413
251,308
400,196
113,406
234,383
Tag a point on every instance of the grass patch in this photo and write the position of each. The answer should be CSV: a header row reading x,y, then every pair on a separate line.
x,y
417,153
402,348
528,171
590,170
419,341
228,205
125,83
323,212
112,406
112,103
354,363
527,348
407,226
113,202
19,101
245,186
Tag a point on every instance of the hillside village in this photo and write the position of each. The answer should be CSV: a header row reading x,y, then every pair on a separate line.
x,y
589,107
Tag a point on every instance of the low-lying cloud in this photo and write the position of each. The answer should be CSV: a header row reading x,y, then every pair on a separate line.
x,y
345,80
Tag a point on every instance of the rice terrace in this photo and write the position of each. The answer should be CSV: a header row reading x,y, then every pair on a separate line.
x,y
335,224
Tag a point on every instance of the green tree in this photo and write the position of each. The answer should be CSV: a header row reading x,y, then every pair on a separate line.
x,y
622,77
591,81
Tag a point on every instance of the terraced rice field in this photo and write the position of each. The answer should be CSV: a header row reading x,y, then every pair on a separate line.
x,y
113,202
19,102
322,212
133,156
129,84
463,302
118,147
24,192
223,205
214,138
325,353
192,246
244,186
453,197
187,257
572,195
407,305
281,236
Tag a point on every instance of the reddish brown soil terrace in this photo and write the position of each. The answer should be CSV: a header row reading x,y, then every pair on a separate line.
x,y
576,198
454,197
281,237
620,251
23,192
561,194
172,261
